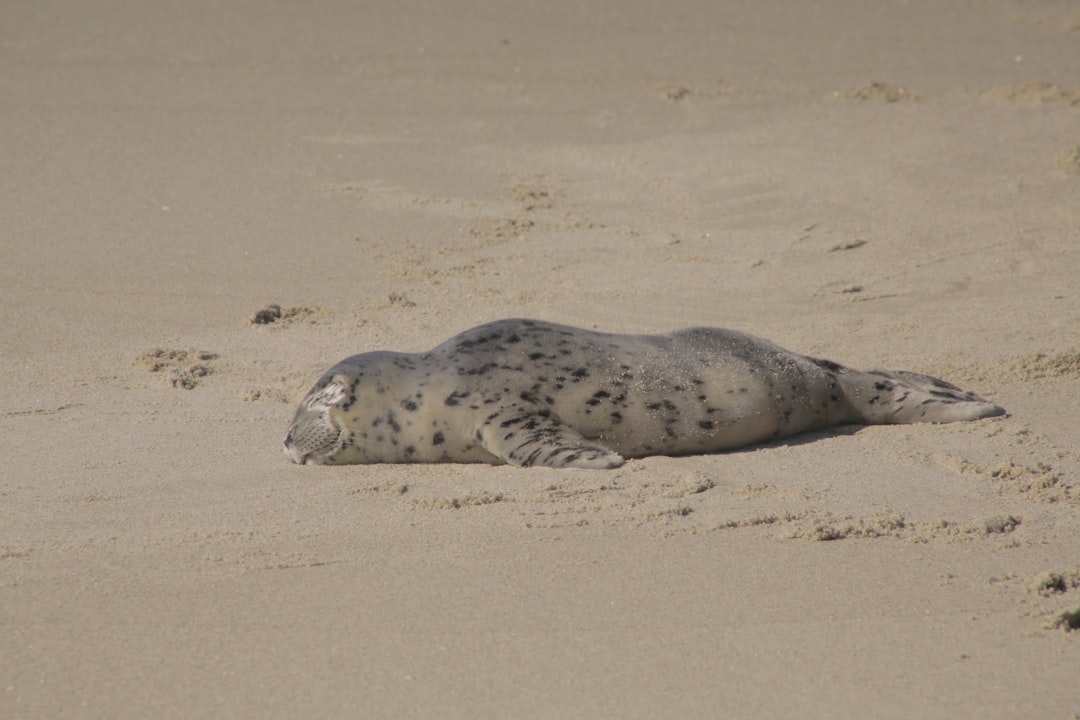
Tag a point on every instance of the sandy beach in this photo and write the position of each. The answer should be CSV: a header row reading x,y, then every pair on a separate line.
x,y
883,184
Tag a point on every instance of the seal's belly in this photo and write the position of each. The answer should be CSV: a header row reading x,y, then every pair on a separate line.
x,y
677,419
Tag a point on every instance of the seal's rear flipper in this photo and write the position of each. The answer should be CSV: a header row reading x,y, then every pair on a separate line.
x,y
897,396
524,436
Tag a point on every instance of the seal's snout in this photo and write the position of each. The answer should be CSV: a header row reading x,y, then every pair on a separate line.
x,y
290,450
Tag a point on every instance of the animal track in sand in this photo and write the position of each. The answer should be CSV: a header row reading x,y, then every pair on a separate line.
x,y
183,369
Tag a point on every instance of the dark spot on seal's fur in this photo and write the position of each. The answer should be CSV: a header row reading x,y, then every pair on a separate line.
x,y
480,370
597,397
827,365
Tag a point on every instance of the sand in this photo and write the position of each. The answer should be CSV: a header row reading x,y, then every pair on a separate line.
x,y
882,184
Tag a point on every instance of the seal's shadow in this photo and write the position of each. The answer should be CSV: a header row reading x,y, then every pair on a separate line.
x,y
805,439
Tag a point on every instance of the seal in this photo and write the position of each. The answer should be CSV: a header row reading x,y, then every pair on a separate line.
x,y
527,392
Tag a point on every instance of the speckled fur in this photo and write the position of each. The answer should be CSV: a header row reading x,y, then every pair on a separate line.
x,y
527,392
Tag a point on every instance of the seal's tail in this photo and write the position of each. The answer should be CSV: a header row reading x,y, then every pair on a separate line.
x,y
881,397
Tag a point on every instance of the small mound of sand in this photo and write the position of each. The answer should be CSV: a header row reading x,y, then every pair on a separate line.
x,y
1033,367
532,196
1038,483
1000,524
394,300
265,395
274,314
675,93
886,524
1069,161
1035,94
854,244
690,484
1022,368
500,229
456,503
1068,620
879,92
1049,584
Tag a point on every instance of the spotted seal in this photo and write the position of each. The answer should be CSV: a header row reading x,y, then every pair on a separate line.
x,y
526,392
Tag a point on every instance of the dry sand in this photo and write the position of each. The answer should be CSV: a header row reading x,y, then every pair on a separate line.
x,y
884,184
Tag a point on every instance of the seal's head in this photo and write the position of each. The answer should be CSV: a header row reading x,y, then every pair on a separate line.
x,y
314,436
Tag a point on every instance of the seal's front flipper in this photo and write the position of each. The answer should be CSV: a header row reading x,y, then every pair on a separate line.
x,y
525,436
